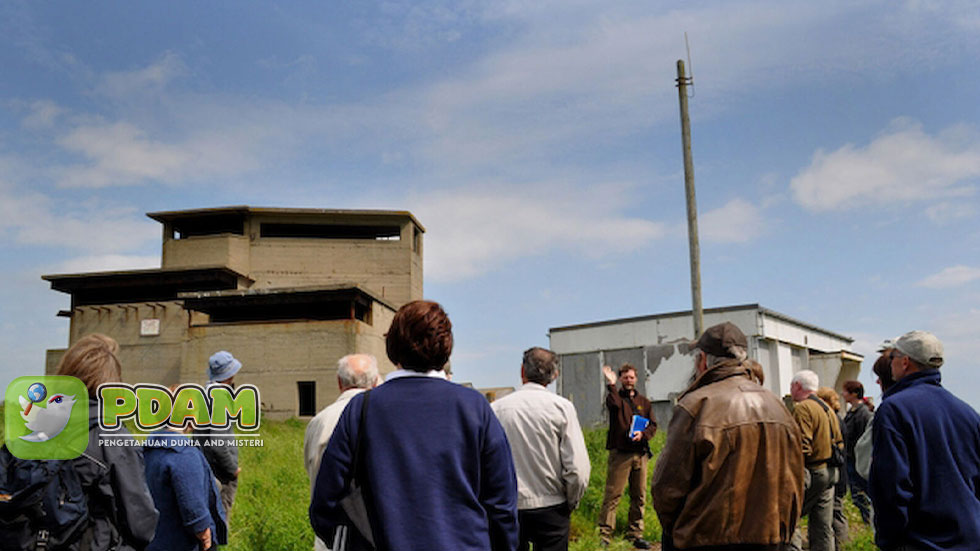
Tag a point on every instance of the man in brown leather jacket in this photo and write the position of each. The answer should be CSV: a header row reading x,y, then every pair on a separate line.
x,y
731,473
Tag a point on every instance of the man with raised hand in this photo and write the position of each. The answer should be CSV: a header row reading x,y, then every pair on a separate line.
x,y
925,469
730,475
549,453
355,374
629,452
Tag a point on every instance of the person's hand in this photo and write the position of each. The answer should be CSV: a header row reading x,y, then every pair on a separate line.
x,y
238,472
637,435
205,538
609,374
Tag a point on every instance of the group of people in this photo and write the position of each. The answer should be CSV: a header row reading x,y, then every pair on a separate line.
x,y
739,470
162,496
438,467
421,463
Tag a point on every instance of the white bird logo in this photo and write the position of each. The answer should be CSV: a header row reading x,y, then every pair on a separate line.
x,y
47,422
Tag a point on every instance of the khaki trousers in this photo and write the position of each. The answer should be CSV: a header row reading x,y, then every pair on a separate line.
x,y
818,505
624,467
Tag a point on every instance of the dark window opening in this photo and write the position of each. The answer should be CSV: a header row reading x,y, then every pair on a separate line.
x,y
211,225
307,398
331,231
362,312
320,311
417,241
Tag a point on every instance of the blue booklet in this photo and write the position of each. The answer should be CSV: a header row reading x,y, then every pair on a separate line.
x,y
638,424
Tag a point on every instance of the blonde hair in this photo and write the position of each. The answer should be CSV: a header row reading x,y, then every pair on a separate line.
x,y
755,368
94,360
829,396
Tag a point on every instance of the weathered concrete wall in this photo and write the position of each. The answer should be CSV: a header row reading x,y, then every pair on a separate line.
x,y
373,342
381,266
51,358
390,268
208,250
580,380
122,322
275,356
667,363
644,332
784,331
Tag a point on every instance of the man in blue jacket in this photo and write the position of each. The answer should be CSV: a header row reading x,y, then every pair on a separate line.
x,y
925,472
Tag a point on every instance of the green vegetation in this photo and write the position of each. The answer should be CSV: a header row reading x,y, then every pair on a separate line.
x,y
274,493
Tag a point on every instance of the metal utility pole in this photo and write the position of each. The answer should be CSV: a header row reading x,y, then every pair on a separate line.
x,y
683,81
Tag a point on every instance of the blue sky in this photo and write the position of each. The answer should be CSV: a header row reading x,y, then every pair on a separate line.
x,y
836,149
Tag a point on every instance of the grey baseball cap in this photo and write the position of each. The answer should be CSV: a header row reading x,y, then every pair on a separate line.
x,y
921,346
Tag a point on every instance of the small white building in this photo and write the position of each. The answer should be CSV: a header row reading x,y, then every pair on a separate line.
x,y
658,346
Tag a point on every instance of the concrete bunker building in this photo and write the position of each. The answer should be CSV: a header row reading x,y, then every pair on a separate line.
x,y
287,291
657,345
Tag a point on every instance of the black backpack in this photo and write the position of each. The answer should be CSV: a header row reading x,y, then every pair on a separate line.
x,y
42,504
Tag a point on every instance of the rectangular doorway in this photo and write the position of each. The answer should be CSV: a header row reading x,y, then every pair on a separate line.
x,y
307,398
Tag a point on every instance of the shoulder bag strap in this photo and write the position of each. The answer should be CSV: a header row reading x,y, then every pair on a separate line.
x,y
826,409
356,464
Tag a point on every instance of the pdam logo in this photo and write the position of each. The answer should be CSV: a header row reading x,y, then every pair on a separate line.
x,y
46,417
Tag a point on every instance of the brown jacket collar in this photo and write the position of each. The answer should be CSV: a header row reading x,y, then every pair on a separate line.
x,y
721,370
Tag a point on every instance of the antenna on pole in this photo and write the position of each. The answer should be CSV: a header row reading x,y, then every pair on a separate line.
x,y
683,81
690,66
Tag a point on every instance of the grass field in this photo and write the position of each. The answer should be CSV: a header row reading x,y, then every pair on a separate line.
x,y
273,496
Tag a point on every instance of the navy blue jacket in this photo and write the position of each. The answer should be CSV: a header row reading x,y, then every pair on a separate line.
x,y
925,473
184,492
438,469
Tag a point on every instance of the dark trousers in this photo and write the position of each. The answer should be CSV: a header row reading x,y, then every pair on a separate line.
x,y
544,529
859,492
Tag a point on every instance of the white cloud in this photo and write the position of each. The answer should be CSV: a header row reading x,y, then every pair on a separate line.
x,y
153,78
43,114
121,154
557,74
473,232
35,219
738,221
954,276
902,164
948,211
582,73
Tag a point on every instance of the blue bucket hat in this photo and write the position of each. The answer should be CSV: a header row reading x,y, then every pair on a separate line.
x,y
222,365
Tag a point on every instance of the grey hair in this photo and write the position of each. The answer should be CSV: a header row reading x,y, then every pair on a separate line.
x,y
736,352
354,378
540,365
807,380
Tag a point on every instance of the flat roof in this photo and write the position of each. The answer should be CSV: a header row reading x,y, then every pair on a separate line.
x,y
142,285
720,310
172,215
199,300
